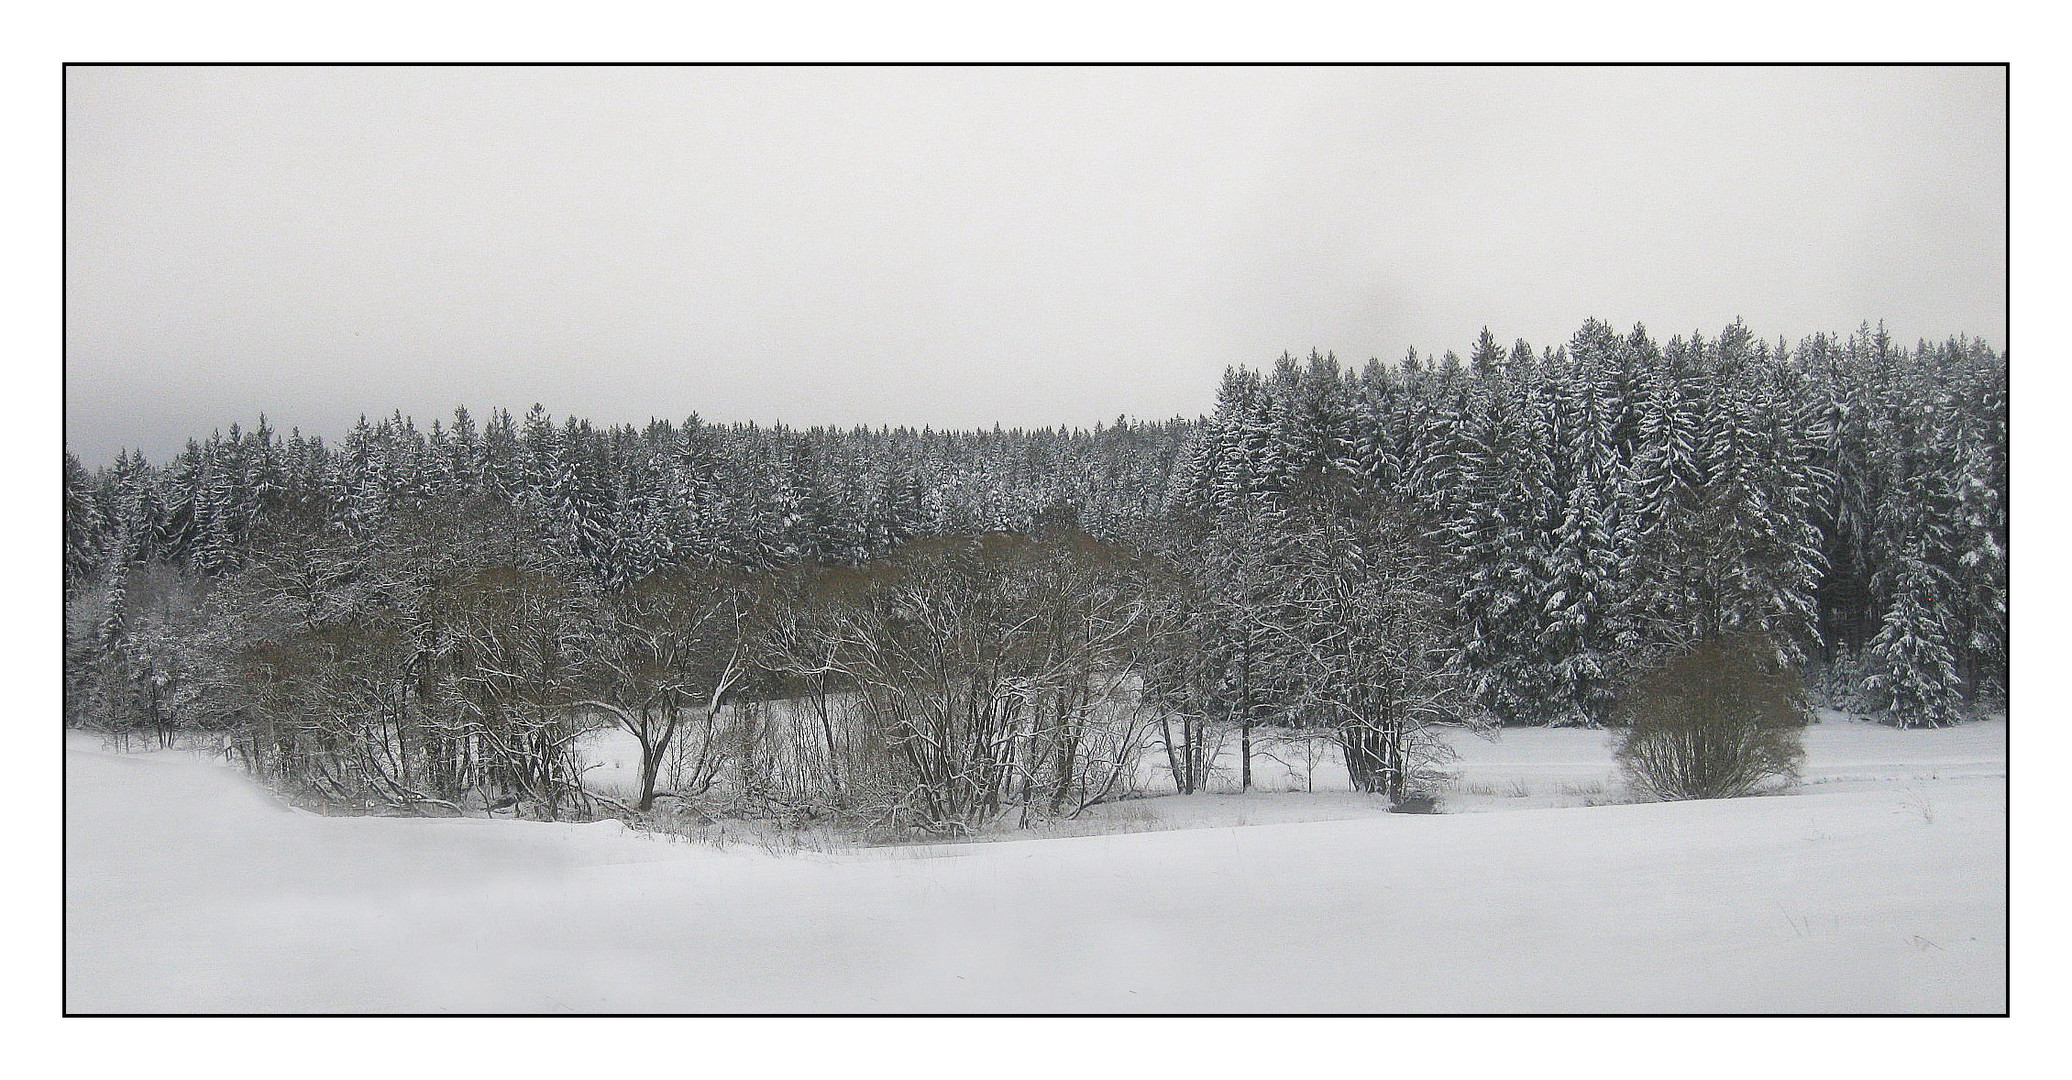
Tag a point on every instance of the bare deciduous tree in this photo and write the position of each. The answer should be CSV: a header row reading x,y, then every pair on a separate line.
x,y
663,651
991,668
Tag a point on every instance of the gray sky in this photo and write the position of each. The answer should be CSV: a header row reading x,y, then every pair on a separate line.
x,y
960,247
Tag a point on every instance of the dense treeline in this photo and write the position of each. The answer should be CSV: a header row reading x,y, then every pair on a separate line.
x,y
939,628
1611,500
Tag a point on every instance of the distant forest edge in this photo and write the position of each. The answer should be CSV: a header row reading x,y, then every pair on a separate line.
x,y
1514,532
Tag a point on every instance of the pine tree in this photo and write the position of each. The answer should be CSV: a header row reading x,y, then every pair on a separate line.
x,y
1487,360
85,525
1978,461
1585,609
1497,539
1912,668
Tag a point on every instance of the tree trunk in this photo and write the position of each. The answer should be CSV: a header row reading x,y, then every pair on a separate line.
x,y
1190,756
1068,748
1364,757
827,730
1173,753
1245,749
650,764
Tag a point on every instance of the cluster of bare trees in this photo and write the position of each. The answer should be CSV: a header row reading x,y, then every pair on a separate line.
x,y
1326,613
453,661
992,673
426,669
958,680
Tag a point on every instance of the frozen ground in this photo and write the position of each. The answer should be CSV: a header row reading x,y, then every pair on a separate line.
x,y
1879,886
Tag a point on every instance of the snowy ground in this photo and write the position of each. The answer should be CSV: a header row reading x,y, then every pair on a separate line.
x,y
1878,886
1516,769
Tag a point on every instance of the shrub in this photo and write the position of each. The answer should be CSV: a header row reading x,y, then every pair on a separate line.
x,y
1713,723
1416,802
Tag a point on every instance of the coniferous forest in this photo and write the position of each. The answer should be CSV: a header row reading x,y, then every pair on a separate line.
x,y
923,629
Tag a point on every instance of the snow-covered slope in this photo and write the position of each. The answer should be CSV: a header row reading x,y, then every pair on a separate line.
x,y
187,889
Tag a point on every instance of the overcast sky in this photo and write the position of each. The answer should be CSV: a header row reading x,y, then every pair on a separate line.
x,y
960,247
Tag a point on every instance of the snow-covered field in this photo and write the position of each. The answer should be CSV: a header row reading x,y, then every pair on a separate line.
x,y
1878,886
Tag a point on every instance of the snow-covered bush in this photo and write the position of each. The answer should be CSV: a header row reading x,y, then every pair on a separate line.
x,y
1716,722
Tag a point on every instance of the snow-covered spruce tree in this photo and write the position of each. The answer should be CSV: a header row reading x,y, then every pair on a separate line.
x,y
1912,671
1209,668
637,542
1584,610
1729,482
809,524
895,515
688,464
1376,452
361,476
1910,662
1978,460
1231,459
214,549
1897,442
148,671
1852,405
503,460
1487,359
87,577
1311,411
85,524
1669,467
1498,543
96,622
581,498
